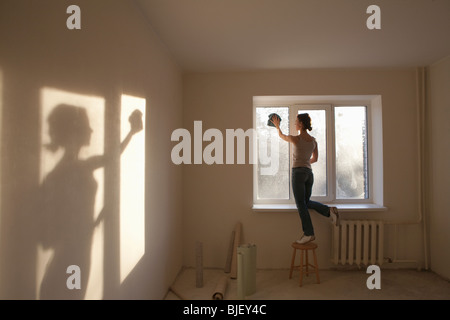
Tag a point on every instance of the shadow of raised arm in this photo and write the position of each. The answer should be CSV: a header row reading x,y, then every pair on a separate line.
x,y
136,126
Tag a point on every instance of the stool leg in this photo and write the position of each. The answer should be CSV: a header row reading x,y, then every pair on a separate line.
x,y
316,266
307,263
292,263
301,267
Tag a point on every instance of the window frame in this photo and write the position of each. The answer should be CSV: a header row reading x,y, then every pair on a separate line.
x,y
374,201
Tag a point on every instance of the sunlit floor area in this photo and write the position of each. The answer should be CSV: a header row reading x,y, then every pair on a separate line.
x,y
401,284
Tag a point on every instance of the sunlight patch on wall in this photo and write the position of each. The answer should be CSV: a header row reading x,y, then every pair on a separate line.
x,y
1,137
43,256
132,190
95,285
93,145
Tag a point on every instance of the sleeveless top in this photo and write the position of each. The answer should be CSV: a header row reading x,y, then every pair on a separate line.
x,y
302,152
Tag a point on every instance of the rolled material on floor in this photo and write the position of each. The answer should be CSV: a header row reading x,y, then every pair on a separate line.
x,y
221,288
199,264
236,243
246,276
230,254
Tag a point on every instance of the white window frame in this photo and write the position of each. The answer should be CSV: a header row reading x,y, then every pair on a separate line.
x,y
374,202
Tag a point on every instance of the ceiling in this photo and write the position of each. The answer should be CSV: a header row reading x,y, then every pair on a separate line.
x,y
232,35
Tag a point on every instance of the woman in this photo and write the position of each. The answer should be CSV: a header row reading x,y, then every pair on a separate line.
x,y
304,154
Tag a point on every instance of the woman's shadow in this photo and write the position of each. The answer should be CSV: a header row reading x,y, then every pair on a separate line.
x,y
66,200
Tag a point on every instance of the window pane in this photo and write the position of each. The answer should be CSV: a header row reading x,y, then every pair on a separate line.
x,y
351,153
273,155
319,131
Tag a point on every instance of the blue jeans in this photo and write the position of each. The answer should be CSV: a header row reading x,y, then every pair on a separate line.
x,y
302,182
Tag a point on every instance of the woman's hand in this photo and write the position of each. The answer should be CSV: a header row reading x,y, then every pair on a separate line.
x,y
276,121
136,121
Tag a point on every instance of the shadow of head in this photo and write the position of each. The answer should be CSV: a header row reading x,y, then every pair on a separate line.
x,y
68,127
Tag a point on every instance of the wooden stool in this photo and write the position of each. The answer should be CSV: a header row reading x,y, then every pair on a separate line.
x,y
304,248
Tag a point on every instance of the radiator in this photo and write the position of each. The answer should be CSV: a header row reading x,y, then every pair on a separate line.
x,y
358,242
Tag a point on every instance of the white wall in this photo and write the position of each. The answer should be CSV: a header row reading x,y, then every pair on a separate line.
x,y
216,197
115,52
438,110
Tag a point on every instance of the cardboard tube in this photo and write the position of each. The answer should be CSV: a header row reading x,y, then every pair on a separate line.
x,y
237,241
199,264
230,254
221,287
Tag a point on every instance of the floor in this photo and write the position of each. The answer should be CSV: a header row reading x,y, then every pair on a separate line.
x,y
403,284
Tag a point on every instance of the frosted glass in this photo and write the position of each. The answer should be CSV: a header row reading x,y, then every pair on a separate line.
x,y
351,153
273,186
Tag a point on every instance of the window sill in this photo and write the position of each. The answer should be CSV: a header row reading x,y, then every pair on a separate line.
x,y
344,207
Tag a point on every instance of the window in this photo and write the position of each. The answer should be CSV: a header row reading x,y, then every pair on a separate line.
x,y
349,136
350,125
272,185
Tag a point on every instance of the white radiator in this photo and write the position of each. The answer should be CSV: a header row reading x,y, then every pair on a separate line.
x,y
358,242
